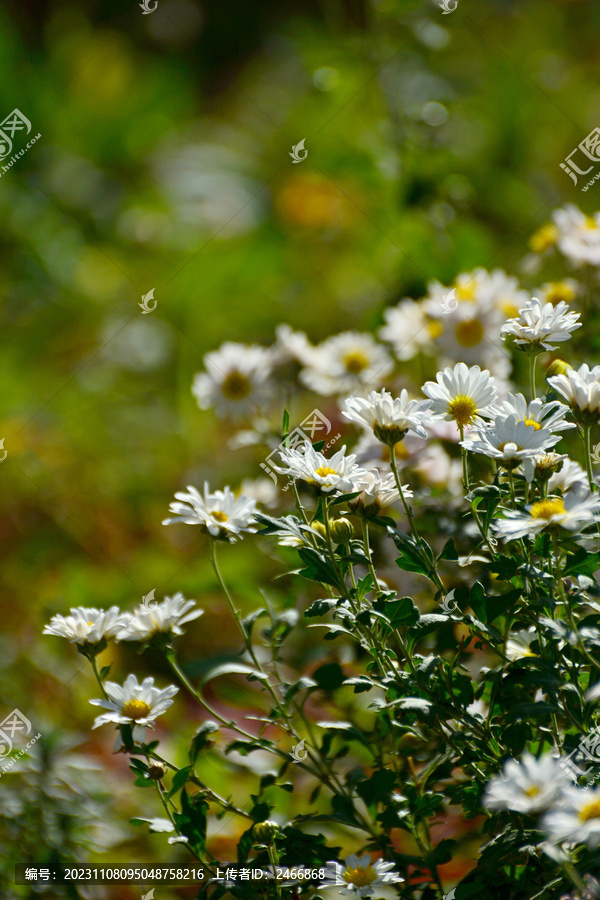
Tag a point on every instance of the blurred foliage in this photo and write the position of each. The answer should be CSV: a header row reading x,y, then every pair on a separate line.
x,y
434,145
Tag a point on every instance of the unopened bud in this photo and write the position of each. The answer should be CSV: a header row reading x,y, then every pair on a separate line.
x,y
265,832
341,530
319,528
558,367
389,434
156,771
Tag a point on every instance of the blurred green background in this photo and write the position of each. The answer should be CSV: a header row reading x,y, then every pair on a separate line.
x,y
434,144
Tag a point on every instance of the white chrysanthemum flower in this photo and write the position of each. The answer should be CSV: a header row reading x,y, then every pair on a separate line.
x,y
161,618
346,362
511,442
263,490
581,389
462,394
518,645
378,493
528,786
539,326
574,511
338,473
388,417
408,329
290,346
359,875
578,235
236,381
555,292
220,514
536,413
570,476
134,704
576,817
491,297
88,626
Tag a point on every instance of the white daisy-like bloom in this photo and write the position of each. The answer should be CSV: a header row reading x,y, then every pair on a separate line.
x,y
529,786
462,394
408,329
88,625
574,511
518,645
536,413
491,296
388,417
543,466
378,493
162,618
541,326
236,381
554,292
575,818
359,875
134,704
220,514
346,362
336,474
263,490
290,346
511,442
578,235
570,476
581,389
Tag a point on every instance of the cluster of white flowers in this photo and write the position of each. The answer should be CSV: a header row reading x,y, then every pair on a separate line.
x,y
542,787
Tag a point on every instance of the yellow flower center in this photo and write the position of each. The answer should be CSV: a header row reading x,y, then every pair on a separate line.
x,y
322,471
590,811
590,223
465,291
235,385
360,877
545,509
560,290
462,409
508,308
435,329
135,709
468,334
544,238
220,516
534,790
532,424
355,361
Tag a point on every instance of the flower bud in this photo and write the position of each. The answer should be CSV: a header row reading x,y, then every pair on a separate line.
x,y
265,832
341,530
389,434
319,528
156,771
558,367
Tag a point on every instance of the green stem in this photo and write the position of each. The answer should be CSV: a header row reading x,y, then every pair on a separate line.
x,y
532,362
98,679
587,433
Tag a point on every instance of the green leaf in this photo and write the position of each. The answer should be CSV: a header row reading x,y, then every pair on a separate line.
x,y
449,551
316,568
179,779
201,739
401,612
285,424
320,607
231,668
375,788
329,676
